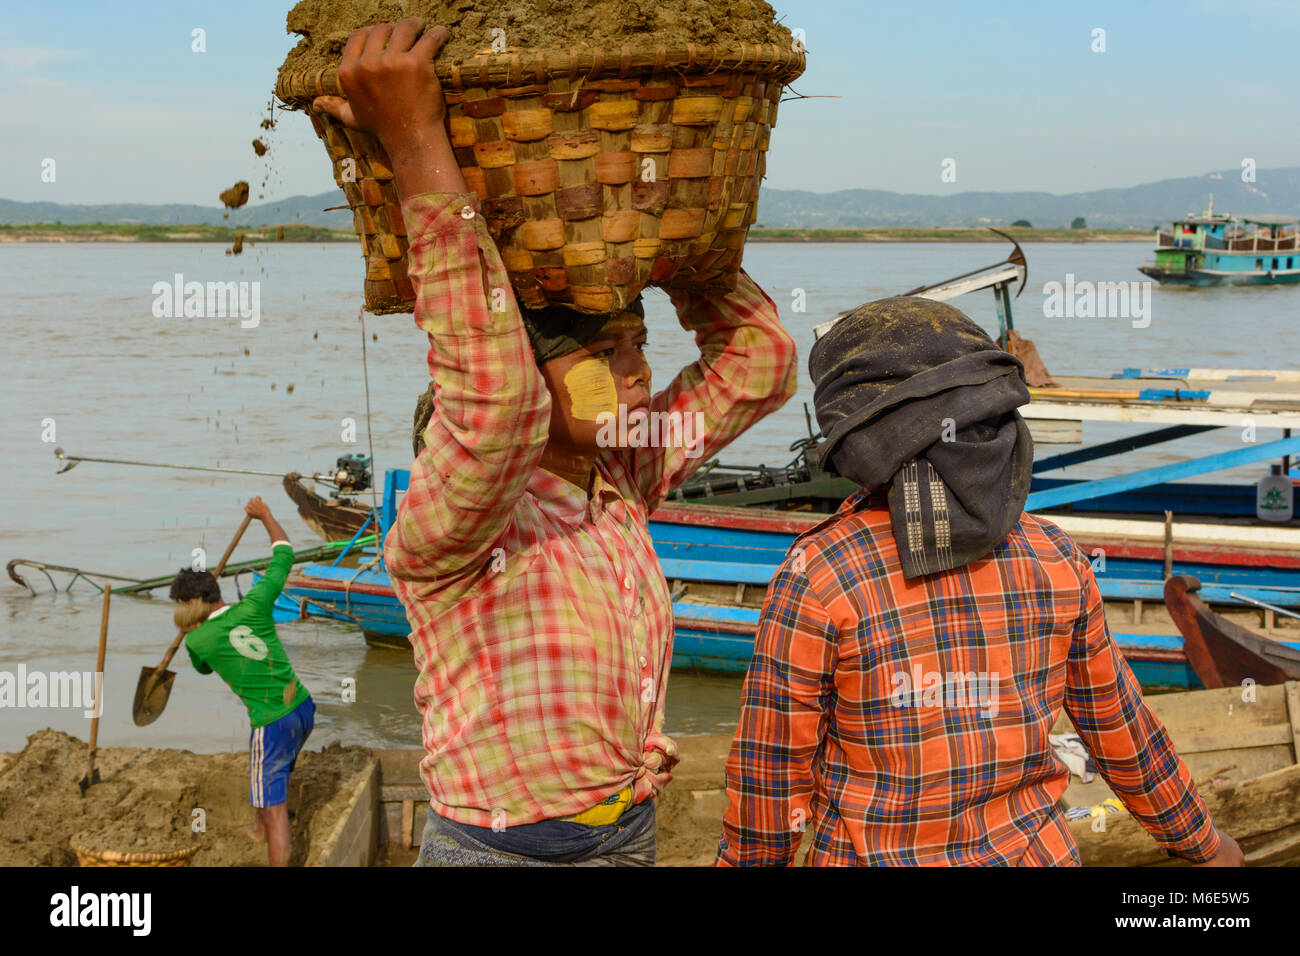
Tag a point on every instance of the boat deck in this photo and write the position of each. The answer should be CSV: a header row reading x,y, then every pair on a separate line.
x,y
1186,396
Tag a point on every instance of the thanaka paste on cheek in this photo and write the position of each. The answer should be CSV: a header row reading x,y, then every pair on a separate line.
x,y
591,390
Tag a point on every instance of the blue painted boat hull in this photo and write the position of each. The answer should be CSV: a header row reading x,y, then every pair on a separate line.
x,y
719,638
1194,277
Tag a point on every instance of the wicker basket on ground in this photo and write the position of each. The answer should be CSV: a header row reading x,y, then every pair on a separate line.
x,y
87,856
600,172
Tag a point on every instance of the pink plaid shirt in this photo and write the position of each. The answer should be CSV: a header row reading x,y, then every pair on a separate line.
x,y
540,618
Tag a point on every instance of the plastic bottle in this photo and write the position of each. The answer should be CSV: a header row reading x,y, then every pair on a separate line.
x,y
1273,496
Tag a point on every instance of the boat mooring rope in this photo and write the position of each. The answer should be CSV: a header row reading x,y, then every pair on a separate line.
x,y
365,373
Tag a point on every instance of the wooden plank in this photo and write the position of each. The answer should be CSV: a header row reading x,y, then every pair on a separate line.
x,y
408,821
1050,431
1168,413
1259,813
1196,713
397,792
1293,711
1093,394
400,765
1276,852
1260,374
1270,736
1185,532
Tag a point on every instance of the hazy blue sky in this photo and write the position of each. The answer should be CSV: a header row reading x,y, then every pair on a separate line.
x,y
1011,90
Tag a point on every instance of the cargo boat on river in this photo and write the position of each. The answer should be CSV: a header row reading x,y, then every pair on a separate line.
x,y
1218,249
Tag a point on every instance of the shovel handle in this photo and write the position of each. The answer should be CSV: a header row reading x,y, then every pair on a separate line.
x,y
234,543
171,651
99,670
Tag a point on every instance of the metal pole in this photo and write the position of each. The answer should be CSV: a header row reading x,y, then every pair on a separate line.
x,y
1262,604
75,459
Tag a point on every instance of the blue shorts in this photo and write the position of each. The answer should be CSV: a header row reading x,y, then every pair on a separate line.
x,y
272,752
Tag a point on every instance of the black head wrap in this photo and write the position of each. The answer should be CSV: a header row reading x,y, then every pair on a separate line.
x,y
557,330
912,394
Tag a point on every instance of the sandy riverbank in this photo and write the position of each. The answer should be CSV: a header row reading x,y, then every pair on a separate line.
x,y
147,798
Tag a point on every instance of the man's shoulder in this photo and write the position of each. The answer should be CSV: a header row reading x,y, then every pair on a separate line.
x,y
861,522
217,626
202,637
1047,538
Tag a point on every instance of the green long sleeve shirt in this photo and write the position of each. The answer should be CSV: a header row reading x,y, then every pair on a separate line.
x,y
239,643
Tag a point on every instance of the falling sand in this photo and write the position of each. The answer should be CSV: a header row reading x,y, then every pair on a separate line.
x,y
236,195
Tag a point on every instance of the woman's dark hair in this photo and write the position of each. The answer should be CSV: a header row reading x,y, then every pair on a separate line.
x,y
189,585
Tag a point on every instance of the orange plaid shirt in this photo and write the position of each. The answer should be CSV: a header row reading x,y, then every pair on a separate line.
x,y
540,618
845,735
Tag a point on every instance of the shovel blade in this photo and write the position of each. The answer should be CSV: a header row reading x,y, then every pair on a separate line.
x,y
151,695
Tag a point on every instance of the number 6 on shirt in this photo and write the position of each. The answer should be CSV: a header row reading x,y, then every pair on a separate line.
x,y
248,644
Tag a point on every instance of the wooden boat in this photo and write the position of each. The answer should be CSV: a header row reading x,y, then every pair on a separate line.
x,y
1222,652
1242,746
719,562
334,519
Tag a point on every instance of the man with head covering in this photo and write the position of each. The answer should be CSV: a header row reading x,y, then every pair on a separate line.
x,y
540,618
916,648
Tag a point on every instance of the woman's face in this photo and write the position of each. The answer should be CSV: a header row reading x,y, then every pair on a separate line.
x,y
607,377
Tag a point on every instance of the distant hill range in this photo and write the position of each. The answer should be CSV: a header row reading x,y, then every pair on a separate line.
x,y
1275,191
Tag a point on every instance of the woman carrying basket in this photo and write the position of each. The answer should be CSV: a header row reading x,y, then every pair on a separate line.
x,y
541,621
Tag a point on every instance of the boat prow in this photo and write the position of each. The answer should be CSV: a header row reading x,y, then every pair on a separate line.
x,y
335,519
1223,653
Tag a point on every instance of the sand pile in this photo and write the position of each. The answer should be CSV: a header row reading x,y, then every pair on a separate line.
x,y
146,801
324,25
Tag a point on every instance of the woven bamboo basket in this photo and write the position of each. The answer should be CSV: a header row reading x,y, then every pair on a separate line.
x,y
89,857
599,172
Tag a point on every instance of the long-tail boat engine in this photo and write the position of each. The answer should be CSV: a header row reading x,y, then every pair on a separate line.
x,y
351,475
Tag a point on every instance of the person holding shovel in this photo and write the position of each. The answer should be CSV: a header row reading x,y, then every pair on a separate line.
x,y
239,643
541,621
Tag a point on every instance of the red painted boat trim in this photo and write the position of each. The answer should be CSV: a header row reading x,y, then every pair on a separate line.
x,y
742,519
1153,654
709,626
324,584
1238,557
